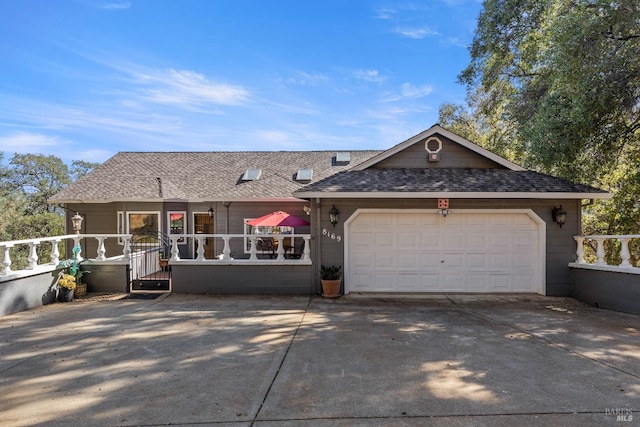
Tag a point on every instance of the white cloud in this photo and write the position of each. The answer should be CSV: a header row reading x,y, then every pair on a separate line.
x,y
410,91
27,142
187,88
384,13
372,76
416,33
301,78
117,5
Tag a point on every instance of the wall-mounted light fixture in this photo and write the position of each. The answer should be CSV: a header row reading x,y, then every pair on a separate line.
x,y
333,215
211,212
444,212
559,216
307,210
76,222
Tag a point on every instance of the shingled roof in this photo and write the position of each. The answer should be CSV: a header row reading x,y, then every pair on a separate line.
x,y
199,176
432,182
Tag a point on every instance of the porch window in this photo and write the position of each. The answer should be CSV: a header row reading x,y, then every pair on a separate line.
x,y
143,223
177,221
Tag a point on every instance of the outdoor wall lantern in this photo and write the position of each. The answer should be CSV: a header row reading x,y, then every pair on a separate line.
x,y
76,222
559,216
210,212
307,210
444,212
333,215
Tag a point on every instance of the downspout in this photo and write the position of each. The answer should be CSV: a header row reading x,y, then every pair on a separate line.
x,y
226,205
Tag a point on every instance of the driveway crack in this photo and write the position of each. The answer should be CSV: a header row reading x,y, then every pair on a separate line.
x,y
284,357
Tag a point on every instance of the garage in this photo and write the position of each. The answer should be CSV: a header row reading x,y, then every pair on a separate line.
x,y
475,251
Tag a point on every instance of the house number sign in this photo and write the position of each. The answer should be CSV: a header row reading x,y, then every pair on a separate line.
x,y
443,203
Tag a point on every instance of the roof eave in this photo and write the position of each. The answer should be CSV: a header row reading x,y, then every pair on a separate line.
x,y
451,195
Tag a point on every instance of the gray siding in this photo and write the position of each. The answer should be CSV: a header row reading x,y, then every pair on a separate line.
x,y
452,155
242,279
29,292
560,249
606,289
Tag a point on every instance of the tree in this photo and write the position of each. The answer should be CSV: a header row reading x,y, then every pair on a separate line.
x,y
25,186
561,78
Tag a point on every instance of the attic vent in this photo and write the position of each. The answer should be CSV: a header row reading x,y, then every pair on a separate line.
x,y
433,146
252,174
304,175
343,157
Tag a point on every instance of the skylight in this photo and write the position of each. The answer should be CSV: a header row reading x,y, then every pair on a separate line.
x,y
344,157
252,174
304,175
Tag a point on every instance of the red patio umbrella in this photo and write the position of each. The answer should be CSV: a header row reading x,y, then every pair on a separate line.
x,y
278,219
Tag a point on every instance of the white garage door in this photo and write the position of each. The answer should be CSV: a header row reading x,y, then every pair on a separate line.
x,y
425,252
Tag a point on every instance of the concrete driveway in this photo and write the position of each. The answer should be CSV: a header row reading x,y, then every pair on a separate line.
x,y
294,361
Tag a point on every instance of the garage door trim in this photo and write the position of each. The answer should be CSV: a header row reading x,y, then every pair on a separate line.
x,y
541,250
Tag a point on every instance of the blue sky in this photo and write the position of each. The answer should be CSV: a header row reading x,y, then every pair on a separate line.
x,y
84,79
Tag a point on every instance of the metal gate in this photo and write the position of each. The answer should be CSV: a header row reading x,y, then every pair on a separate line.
x,y
149,270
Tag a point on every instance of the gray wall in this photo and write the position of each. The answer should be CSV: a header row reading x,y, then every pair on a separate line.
x,y
29,292
606,289
242,279
452,155
560,250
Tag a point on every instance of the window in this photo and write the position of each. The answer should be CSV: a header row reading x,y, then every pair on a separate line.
x,y
143,223
177,221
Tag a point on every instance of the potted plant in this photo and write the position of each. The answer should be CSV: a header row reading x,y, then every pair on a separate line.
x,y
70,277
331,279
66,286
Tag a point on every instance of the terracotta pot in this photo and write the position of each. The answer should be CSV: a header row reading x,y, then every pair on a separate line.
x,y
331,288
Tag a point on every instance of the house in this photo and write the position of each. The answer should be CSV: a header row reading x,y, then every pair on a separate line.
x,y
435,213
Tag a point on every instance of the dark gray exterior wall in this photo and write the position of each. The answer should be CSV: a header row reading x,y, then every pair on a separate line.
x,y
242,279
28,292
607,289
560,246
105,278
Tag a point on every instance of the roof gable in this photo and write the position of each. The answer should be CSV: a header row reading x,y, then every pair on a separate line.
x,y
455,152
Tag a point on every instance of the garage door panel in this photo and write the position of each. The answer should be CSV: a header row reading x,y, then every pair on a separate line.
x,y
424,252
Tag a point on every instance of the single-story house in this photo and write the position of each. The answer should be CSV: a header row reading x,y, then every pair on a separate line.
x,y
435,213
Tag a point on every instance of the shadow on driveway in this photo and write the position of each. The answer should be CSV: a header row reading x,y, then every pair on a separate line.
x,y
221,360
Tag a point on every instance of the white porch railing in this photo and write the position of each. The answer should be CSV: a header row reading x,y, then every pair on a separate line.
x,y
600,253
305,256
6,273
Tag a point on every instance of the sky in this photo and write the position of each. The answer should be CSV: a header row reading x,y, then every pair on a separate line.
x,y
84,79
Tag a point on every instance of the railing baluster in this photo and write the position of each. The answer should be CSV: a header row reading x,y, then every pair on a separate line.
x,y
600,250
33,256
55,252
280,250
6,260
101,248
624,252
306,253
200,251
579,249
252,249
226,252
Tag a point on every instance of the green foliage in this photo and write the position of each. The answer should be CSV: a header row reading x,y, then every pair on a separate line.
x,y
330,272
25,186
555,86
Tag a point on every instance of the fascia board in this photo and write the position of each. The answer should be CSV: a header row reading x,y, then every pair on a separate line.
x,y
452,195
